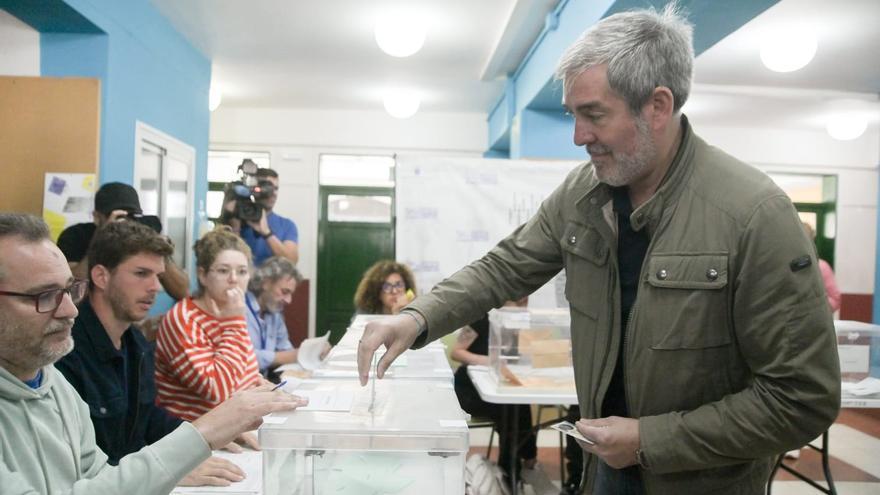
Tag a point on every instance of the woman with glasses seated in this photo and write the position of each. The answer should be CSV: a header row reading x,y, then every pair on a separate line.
x,y
386,288
203,350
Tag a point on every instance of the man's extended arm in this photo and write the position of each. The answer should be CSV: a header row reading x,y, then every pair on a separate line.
x,y
174,280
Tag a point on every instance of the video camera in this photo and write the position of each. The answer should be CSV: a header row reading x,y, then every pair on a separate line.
x,y
151,221
248,193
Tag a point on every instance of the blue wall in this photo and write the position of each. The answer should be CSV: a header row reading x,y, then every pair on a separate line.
x,y
149,72
533,128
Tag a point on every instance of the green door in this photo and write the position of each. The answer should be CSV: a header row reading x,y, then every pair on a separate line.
x,y
818,215
356,229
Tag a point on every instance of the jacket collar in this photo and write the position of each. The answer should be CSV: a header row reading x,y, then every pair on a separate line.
x,y
97,337
667,192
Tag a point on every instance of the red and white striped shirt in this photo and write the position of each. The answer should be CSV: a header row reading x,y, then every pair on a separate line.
x,y
201,360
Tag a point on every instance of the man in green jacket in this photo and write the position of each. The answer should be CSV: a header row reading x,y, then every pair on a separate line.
x,y
701,342
48,442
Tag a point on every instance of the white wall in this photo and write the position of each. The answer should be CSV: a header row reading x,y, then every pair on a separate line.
x,y
19,47
296,138
808,151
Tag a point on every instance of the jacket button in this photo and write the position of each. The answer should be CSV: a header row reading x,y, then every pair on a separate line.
x,y
662,274
593,201
572,240
712,274
102,410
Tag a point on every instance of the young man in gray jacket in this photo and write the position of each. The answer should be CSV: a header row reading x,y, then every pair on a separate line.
x,y
48,442
701,341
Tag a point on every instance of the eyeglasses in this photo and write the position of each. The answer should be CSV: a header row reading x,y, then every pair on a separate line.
x,y
49,300
225,272
396,286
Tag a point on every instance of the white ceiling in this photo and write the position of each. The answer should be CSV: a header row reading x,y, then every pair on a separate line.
x,y
321,54
734,88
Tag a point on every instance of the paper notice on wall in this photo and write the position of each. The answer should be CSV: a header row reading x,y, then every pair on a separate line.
x,y
68,199
451,211
854,358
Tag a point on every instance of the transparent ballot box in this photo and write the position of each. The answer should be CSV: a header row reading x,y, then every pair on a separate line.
x,y
859,347
428,363
356,330
412,441
530,350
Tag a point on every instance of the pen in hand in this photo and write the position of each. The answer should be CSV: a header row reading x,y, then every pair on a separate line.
x,y
276,387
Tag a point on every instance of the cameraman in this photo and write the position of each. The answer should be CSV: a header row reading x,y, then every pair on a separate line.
x,y
115,202
273,235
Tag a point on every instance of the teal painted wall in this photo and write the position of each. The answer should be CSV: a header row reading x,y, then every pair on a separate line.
x,y
149,72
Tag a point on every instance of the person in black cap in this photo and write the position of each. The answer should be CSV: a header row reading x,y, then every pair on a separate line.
x,y
114,202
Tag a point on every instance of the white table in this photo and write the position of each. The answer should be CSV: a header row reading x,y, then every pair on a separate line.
x,y
487,387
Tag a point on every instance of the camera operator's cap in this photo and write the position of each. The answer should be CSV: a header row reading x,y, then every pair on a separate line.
x,y
117,196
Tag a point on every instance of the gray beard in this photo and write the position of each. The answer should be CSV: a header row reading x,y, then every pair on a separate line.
x,y
628,167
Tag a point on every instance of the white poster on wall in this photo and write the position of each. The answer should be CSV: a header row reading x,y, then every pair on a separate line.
x,y
68,199
451,211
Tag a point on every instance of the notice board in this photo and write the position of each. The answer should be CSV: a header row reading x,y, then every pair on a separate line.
x,y
46,125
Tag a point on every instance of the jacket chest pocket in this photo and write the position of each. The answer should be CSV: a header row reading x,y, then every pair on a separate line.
x,y
107,407
686,304
586,272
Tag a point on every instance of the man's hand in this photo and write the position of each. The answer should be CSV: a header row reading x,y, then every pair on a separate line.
x,y
616,439
242,412
216,471
261,227
117,216
397,332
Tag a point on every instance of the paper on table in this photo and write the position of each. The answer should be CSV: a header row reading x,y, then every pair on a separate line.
x,y
868,386
309,354
289,367
249,461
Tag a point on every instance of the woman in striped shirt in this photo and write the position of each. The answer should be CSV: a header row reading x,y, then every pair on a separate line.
x,y
203,350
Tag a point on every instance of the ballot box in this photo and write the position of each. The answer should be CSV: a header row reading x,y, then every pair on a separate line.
x,y
530,350
858,345
392,436
428,363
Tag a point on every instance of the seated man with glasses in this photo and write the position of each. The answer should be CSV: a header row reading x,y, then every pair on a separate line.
x,y
386,288
111,365
48,442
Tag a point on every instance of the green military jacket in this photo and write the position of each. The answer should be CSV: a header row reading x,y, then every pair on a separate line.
x,y
730,355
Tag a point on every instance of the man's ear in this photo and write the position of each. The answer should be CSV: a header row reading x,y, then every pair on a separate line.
x,y
100,276
660,107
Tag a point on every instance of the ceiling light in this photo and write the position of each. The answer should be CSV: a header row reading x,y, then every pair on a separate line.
x,y
846,126
400,35
215,96
788,49
402,103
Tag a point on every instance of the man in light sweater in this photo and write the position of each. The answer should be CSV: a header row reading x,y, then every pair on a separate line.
x,y
48,443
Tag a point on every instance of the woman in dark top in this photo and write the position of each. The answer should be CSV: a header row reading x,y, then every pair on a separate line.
x,y
472,348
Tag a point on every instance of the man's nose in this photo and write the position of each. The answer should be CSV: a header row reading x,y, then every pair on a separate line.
x,y
583,133
66,309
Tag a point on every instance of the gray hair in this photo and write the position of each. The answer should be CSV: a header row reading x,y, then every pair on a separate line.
x,y
31,227
272,270
643,49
